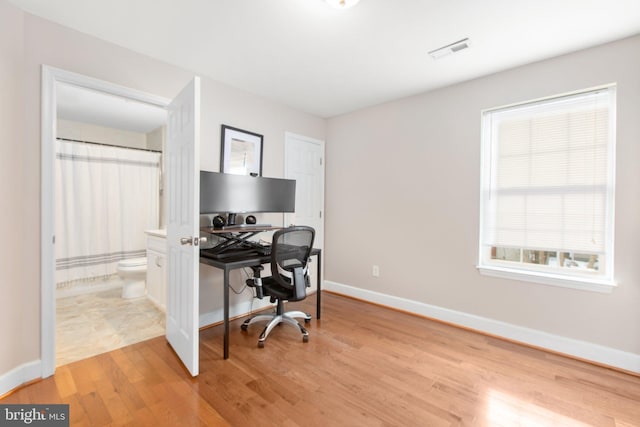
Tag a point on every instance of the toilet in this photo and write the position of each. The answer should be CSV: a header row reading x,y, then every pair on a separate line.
x,y
133,272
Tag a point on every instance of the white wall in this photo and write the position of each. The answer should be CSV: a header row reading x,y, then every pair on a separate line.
x,y
19,295
105,135
155,139
402,192
27,42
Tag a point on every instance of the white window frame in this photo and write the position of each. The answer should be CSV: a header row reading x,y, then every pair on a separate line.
x,y
535,273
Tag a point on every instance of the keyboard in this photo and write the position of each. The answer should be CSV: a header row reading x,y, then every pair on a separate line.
x,y
228,255
242,252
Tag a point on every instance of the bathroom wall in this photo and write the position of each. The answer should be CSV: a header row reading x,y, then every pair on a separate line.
x,y
95,133
155,139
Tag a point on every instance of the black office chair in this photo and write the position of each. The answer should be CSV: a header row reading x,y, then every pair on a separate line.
x,y
290,251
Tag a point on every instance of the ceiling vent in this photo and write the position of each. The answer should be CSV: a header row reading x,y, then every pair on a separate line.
x,y
450,48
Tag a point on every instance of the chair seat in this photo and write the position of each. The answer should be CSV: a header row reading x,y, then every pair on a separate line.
x,y
272,288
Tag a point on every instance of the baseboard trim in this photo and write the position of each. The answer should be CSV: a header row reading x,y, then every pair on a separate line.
x,y
16,377
595,353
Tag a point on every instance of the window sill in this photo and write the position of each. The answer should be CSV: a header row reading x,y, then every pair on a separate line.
x,y
584,284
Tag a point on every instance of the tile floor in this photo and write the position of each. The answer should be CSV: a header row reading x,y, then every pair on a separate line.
x,y
91,324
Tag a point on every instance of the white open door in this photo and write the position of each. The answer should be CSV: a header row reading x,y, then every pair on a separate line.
x,y
183,225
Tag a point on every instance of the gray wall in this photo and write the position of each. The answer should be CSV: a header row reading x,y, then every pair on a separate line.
x,y
402,192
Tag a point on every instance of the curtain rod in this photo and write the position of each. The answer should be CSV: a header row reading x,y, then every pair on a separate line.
x,y
109,145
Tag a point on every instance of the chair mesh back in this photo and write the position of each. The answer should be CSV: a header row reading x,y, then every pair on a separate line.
x,y
291,247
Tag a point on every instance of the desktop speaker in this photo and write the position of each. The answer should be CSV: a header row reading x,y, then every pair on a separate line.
x,y
250,219
231,219
219,221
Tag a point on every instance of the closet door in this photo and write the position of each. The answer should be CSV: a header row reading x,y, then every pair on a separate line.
x,y
304,163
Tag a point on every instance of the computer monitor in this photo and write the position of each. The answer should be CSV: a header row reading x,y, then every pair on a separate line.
x,y
227,193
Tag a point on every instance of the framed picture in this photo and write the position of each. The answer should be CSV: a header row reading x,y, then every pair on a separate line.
x,y
240,152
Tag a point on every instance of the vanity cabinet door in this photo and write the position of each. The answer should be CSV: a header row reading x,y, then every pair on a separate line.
x,y
156,277
156,270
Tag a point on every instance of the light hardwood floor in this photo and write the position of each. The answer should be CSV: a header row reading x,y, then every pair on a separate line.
x,y
364,365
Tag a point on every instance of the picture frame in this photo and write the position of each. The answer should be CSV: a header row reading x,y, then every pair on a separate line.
x,y
240,152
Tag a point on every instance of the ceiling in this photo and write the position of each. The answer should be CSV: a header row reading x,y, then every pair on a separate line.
x,y
327,62
88,106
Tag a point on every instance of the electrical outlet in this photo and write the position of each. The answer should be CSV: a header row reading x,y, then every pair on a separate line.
x,y
375,271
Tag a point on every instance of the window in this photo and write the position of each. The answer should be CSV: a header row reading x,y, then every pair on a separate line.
x,y
547,190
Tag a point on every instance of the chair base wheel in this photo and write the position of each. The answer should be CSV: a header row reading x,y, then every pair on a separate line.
x,y
278,320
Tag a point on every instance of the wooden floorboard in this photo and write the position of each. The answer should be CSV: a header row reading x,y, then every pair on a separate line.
x,y
364,365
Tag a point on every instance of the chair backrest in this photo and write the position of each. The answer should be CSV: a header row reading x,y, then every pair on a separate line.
x,y
290,251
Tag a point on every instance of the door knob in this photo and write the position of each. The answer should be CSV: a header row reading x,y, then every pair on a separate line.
x,y
195,241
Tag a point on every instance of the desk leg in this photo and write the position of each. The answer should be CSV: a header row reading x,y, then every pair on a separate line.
x,y
319,291
226,313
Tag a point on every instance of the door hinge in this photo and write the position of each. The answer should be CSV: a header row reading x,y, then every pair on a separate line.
x,y
320,214
320,161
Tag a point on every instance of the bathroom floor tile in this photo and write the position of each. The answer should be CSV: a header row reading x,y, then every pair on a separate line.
x,y
91,324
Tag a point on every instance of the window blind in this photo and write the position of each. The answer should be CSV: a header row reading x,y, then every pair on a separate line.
x,y
548,181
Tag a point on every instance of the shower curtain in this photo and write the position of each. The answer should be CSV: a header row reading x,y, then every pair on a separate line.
x,y
105,198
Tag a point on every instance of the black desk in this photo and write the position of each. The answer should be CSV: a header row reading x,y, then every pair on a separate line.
x,y
250,260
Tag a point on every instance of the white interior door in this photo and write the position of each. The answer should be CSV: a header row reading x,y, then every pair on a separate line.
x,y
183,226
304,162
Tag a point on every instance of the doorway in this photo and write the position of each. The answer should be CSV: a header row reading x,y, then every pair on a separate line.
x,y
51,79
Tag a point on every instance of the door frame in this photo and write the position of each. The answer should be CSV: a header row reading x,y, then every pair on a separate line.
x,y
51,76
288,140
